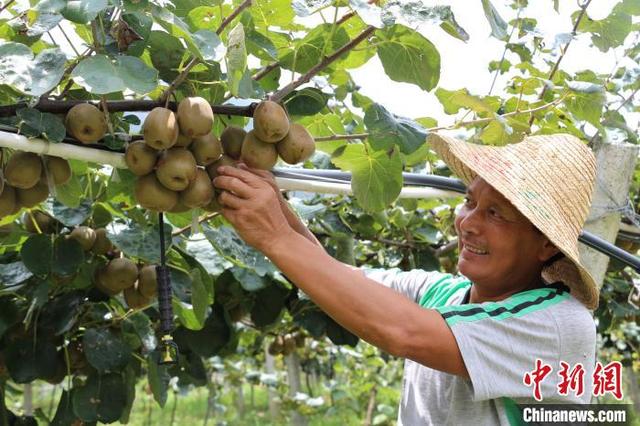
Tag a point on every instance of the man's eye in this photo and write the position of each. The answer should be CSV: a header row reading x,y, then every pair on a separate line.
x,y
495,213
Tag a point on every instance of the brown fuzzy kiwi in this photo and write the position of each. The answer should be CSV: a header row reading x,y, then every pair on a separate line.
x,y
140,158
183,141
46,224
102,245
270,122
7,201
258,154
152,195
147,281
86,123
176,168
84,235
59,169
297,146
23,170
213,206
120,273
199,192
135,299
225,160
206,149
231,139
160,128
32,196
195,116
179,207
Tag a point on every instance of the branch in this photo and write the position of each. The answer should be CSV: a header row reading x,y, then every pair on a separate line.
x,y
200,220
7,4
629,99
66,74
47,105
280,94
195,60
564,51
341,137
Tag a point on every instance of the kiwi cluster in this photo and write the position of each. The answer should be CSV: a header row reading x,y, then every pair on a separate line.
x,y
86,123
180,154
138,283
285,344
26,180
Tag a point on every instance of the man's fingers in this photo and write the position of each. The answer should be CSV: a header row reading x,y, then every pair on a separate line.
x,y
229,200
244,175
233,184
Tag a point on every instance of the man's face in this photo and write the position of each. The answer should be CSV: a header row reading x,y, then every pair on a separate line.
x,y
499,247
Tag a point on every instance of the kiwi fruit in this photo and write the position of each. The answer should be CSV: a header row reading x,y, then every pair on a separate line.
x,y
23,170
179,207
45,223
277,346
195,117
289,345
120,273
225,160
7,201
84,235
270,122
206,149
86,123
199,192
213,206
102,245
32,196
183,141
160,128
152,195
297,146
135,299
258,154
176,168
147,281
140,158
231,139
59,169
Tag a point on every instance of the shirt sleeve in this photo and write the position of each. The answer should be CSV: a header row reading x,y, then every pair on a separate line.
x,y
500,343
412,284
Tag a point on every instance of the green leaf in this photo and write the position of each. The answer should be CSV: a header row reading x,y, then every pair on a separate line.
x,y
105,350
609,32
141,241
409,57
166,53
13,273
452,101
28,358
186,315
325,125
376,175
102,398
158,378
268,13
36,254
308,101
269,306
387,130
72,216
213,337
416,13
309,51
260,45
308,7
101,75
236,58
199,295
498,25
587,102
29,75
249,280
35,124
68,256
83,11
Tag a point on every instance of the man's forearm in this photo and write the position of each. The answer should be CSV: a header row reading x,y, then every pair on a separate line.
x,y
295,222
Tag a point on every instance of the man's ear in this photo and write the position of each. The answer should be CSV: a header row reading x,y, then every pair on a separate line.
x,y
547,251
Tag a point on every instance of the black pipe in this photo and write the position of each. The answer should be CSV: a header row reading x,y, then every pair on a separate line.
x,y
450,184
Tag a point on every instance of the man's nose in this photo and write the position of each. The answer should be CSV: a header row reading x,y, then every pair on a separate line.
x,y
471,221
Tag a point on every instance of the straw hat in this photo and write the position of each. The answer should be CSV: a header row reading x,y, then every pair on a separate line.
x,y
549,179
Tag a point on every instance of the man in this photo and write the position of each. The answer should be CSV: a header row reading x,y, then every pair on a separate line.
x,y
522,297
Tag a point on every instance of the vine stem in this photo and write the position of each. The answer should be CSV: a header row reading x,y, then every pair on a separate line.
x,y
200,220
327,60
554,69
7,4
195,60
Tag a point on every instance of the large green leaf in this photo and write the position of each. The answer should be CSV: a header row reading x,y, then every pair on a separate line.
x,y
268,13
416,12
387,130
308,101
36,254
199,295
141,241
376,175
105,350
452,101
214,336
269,305
158,378
32,76
166,53
586,101
236,58
100,74
13,273
67,256
325,125
30,357
102,398
72,216
611,31
308,52
83,11
36,124
409,57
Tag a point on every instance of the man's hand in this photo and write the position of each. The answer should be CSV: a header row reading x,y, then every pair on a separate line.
x,y
250,203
